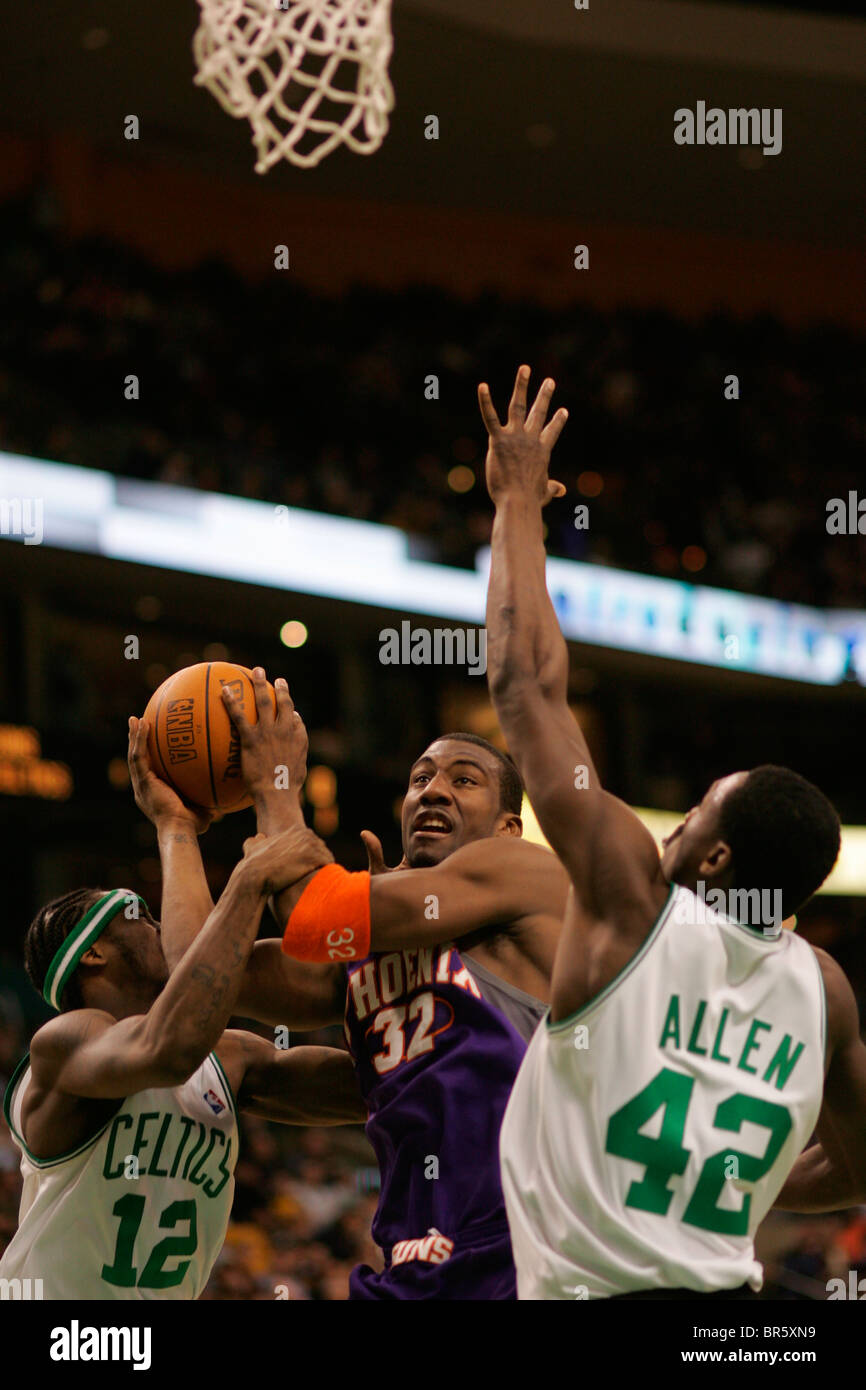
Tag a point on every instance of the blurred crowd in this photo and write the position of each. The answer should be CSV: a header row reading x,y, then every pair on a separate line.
x,y
271,392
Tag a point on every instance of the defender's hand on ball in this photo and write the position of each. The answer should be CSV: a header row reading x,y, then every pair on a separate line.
x,y
274,862
273,750
519,451
159,802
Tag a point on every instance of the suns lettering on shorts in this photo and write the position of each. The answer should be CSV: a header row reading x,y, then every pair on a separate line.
x,y
434,1249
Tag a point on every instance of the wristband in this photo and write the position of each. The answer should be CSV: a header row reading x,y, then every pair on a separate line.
x,y
331,921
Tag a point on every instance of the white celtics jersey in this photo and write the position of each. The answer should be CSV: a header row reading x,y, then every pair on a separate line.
x,y
140,1210
648,1134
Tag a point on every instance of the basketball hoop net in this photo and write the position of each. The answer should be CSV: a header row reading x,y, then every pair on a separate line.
x,y
307,74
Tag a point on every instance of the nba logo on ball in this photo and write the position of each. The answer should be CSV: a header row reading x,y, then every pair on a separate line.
x,y
179,733
192,742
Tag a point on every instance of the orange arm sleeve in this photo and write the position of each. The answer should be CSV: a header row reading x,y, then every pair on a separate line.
x,y
331,921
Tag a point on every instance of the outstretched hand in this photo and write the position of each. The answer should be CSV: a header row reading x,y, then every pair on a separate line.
x,y
158,801
519,451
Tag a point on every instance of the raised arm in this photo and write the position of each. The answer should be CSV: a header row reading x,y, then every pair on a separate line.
x,y
276,990
501,880
604,846
274,767
186,897
88,1053
831,1174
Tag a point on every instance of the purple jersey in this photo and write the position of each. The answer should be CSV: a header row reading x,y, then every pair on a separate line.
x,y
436,1063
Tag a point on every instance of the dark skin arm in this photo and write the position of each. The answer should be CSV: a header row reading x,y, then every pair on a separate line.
x,y
186,898
297,994
274,989
278,990
295,1086
831,1174
90,1056
611,859
499,884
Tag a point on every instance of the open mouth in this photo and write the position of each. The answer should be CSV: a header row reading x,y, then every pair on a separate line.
x,y
432,823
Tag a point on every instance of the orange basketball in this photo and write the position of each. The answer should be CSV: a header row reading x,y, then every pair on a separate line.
x,y
193,745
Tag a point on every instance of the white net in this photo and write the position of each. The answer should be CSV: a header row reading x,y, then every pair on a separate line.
x,y
308,74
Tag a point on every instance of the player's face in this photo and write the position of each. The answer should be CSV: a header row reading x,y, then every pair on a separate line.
x,y
138,944
454,797
685,851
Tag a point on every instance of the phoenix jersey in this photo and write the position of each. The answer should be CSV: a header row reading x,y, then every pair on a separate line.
x,y
436,1063
649,1134
138,1211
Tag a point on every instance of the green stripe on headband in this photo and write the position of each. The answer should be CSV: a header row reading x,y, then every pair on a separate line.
x,y
80,939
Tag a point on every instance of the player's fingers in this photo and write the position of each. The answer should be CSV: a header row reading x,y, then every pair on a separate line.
x,y
554,489
236,714
517,404
538,414
488,413
138,759
553,429
285,704
262,695
375,854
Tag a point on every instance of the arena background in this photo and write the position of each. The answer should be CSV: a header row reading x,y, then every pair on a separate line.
x,y
305,389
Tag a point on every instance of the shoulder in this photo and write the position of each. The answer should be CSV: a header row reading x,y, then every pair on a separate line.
x,y
62,1035
498,853
834,977
843,1020
509,878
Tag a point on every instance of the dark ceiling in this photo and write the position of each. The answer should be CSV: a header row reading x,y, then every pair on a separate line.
x,y
555,129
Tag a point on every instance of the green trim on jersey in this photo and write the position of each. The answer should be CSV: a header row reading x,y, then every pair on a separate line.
x,y
753,933
226,1084
59,1158
621,975
823,1004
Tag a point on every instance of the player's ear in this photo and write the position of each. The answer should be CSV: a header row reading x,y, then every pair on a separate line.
x,y
94,955
509,823
717,860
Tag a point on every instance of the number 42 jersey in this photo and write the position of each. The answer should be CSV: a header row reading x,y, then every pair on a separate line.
x,y
647,1135
140,1210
